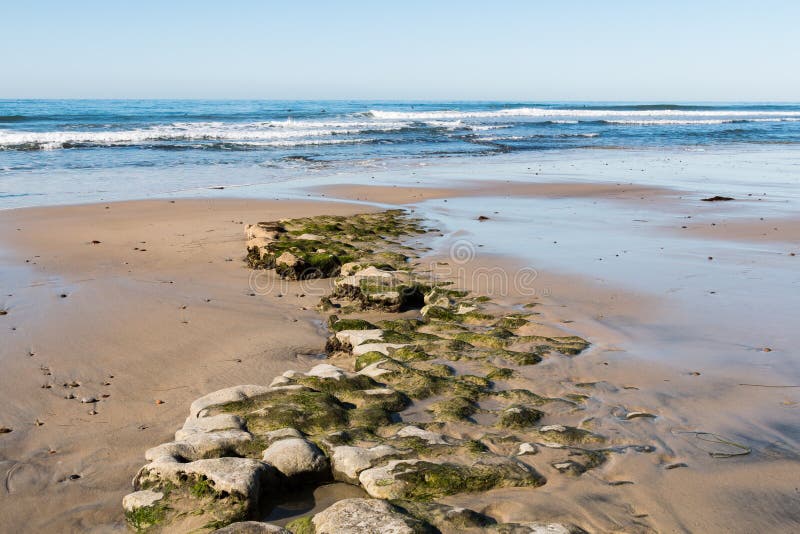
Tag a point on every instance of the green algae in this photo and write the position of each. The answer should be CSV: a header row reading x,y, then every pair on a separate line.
x,y
519,416
337,325
142,519
301,525
428,480
368,358
306,410
453,409
569,435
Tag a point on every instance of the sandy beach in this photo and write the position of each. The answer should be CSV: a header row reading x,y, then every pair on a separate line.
x,y
144,306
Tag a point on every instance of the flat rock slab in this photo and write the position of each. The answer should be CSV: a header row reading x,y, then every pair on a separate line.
x,y
365,516
141,499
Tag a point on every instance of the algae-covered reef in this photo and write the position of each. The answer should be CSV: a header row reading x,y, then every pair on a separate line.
x,y
318,247
411,408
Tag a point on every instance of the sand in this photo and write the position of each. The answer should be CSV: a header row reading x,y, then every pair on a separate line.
x,y
164,305
159,310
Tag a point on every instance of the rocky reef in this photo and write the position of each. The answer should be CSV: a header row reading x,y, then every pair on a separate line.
x,y
414,403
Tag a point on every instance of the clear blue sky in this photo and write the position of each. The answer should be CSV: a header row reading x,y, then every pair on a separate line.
x,y
493,49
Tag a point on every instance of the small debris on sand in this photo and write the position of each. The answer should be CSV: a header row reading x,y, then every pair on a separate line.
x,y
676,465
5,430
717,198
483,218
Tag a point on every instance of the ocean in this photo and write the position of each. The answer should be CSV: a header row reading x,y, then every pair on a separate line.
x,y
61,151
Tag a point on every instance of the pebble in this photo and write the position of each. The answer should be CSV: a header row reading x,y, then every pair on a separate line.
x,y
5,430
159,401
88,400
92,412
70,396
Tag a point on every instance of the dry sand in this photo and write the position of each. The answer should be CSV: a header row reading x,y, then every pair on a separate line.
x,y
172,321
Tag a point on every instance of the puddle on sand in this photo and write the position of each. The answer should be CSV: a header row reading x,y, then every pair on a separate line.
x,y
309,501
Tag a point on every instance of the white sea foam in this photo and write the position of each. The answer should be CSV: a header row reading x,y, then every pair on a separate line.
x,y
580,113
678,122
490,138
265,132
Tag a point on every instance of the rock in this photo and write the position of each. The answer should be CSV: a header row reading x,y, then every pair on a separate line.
x,y
260,243
438,297
287,259
225,396
310,237
141,499
519,416
264,230
350,268
326,370
383,348
199,445
282,433
559,435
216,423
432,438
448,519
717,198
569,467
243,477
354,338
280,381
424,480
376,288
536,528
366,516
383,483
297,457
251,527
527,448
88,400
375,370
348,462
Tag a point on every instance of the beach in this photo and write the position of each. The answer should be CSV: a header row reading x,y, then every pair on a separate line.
x,y
599,335
144,306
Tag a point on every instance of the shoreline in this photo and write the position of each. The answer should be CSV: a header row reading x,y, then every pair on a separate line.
x,y
78,260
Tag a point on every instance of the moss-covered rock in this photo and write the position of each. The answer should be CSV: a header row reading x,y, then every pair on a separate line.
x,y
337,325
568,435
423,480
519,416
446,518
305,409
453,409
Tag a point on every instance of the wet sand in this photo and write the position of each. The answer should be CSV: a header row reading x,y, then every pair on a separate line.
x,y
163,304
159,310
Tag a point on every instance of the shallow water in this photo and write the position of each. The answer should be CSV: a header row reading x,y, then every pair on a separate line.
x,y
68,151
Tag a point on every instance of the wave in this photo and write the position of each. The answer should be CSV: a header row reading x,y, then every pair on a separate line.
x,y
501,138
576,112
262,134
677,122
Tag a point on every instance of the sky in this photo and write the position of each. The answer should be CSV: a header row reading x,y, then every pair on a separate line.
x,y
643,50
